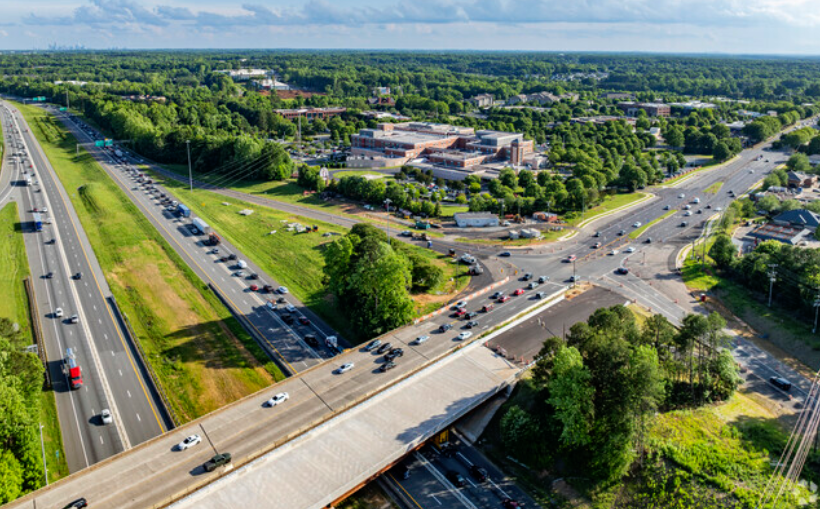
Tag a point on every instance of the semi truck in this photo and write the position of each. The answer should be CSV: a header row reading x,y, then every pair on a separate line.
x,y
183,210
75,375
200,226
214,239
38,222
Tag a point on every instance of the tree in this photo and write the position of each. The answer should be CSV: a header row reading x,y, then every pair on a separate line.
x,y
674,137
723,251
277,164
572,396
721,152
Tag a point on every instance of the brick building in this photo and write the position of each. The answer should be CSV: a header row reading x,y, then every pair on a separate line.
x,y
651,109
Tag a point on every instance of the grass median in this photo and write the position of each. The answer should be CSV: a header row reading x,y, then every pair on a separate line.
x,y
714,188
638,232
203,358
610,203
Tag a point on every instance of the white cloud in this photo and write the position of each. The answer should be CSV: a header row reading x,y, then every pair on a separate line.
x,y
3,33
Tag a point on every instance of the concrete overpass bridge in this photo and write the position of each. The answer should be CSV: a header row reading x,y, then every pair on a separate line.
x,y
335,432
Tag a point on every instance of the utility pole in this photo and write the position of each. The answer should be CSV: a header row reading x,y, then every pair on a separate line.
x,y
387,203
772,279
67,102
43,448
190,174
816,309
573,273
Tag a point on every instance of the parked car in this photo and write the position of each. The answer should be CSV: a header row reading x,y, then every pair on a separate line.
x,y
277,399
189,442
217,461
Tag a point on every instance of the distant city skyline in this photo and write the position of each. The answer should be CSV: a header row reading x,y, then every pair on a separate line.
x,y
671,26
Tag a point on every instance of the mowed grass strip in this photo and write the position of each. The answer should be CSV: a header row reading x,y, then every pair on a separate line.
x,y
714,188
202,356
638,232
13,269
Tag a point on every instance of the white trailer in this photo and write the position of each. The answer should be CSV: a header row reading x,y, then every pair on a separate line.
x,y
200,226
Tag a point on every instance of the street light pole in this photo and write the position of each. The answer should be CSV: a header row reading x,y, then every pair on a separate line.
x,y
772,279
816,308
190,174
573,273
43,447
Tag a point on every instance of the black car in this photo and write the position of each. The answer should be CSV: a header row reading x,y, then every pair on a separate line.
x,y
505,254
392,354
457,479
78,275
311,340
385,347
217,461
622,270
478,473
77,504
471,315
288,319
445,327
387,366
471,324
780,383
527,276
231,256
253,275
49,275
622,233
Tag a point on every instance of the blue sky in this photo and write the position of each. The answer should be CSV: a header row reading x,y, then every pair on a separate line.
x,y
710,26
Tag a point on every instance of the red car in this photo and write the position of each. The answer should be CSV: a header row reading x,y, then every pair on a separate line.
x,y
254,288
304,321
487,308
460,312
571,258
504,298
519,291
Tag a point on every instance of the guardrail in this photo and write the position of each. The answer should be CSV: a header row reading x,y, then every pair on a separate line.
x,y
169,410
37,330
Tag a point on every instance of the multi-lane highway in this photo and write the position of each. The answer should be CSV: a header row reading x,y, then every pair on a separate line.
x,y
68,281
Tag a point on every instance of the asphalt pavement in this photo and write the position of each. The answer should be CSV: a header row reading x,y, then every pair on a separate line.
x,y
112,377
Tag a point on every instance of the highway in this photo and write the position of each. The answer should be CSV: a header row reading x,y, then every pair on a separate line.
x,y
111,376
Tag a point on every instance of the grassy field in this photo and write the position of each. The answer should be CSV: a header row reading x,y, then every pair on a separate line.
x,y
610,203
202,356
714,188
361,173
13,269
639,231
301,269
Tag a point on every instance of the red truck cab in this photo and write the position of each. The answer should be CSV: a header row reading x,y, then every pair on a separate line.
x,y
75,375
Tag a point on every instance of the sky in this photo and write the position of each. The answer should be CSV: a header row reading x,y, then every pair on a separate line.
x,y
669,26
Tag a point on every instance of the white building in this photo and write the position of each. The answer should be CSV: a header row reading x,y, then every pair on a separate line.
x,y
475,219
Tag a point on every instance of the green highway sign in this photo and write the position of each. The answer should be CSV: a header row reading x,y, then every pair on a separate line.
x,y
63,109
99,143
109,143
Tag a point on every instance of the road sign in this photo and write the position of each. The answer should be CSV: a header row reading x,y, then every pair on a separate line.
x,y
109,143
99,143
39,99
63,109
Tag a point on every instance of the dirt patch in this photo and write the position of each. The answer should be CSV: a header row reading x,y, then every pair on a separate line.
x,y
573,498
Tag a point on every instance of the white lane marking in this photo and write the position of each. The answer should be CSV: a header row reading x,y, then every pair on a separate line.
x,y
95,307
128,392
120,371
101,439
436,499
138,418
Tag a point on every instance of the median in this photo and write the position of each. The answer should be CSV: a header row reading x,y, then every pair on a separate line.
x,y
638,232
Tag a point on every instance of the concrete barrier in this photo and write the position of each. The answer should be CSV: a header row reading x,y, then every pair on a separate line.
x,y
472,296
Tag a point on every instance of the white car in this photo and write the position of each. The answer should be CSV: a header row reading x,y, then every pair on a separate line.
x,y
189,442
460,304
44,209
106,417
282,289
465,335
344,368
681,196
613,252
687,213
58,312
419,340
279,398
718,209
630,249
637,225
